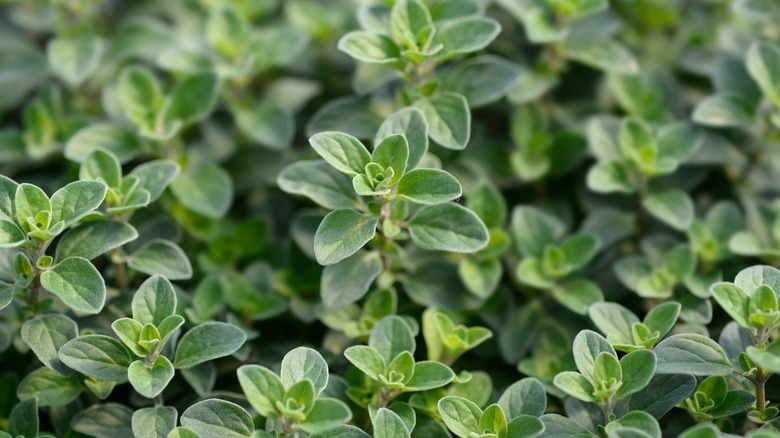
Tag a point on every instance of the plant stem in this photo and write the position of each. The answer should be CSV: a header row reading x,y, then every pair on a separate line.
x,y
158,401
760,384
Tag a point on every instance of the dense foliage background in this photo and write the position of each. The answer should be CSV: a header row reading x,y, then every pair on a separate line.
x,y
409,218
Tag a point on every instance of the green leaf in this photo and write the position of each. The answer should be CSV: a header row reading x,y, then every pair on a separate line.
x,y
448,227
155,176
192,99
635,423
268,124
370,48
525,426
480,277
77,283
367,360
150,381
97,356
77,199
327,414
49,388
733,300
101,165
206,342
154,301
410,122
113,138
429,374
183,432
341,234
410,23
428,186
724,111
524,397
92,239
763,63
155,422
75,58
750,279
587,346
607,55
347,281
11,236
578,295
638,368
387,424
672,207
534,229
392,152
214,418
465,35
24,421
662,394
342,151
161,257
320,182
448,118
662,317
108,420
483,79
460,415
207,190
768,358
304,363
575,385
345,431
692,354
559,426
610,177
129,332
45,335
390,337
29,201
262,387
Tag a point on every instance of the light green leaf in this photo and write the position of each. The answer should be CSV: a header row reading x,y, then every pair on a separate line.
x,y
638,368
77,283
50,388
113,138
370,48
483,79
77,199
587,346
267,124
387,424
524,397
214,418
327,414
320,182
108,420
45,335
154,301
92,239
150,381
342,151
610,177
75,58
392,152
347,281
11,236
733,300
428,186
460,415
156,175
607,55
672,207
578,295
206,342
23,420
207,190
341,234
304,363
448,119
410,122
161,257
692,354
366,359
192,99
390,337
29,201
429,374
448,227
262,387
156,422
763,63
97,356
465,35
575,385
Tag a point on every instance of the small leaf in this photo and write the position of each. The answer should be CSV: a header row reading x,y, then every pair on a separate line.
x,y
347,281
366,359
448,227
387,424
448,119
76,200
692,354
429,374
155,422
370,48
161,257
49,388
763,63
92,239
428,186
45,335
327,414
575,385
206,342
304,363
215,418
465,35
672,207
150,381
460,415
207,190
410,122
154,301
262,387
524,397
75,58
392,152
107,420
390,337
23,420
342,151
341,234
97,356
320,182
638,368
77,283
113,138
